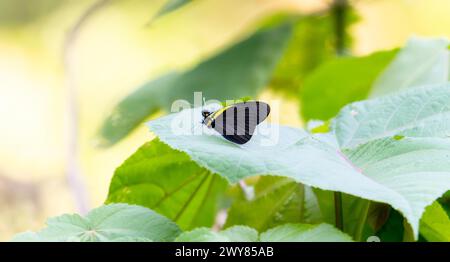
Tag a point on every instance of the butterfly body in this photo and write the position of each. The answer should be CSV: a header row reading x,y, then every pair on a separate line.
x,y
237,122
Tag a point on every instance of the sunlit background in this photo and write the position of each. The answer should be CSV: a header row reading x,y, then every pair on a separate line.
x,y
115,51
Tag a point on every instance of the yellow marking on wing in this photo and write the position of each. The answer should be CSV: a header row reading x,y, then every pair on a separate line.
x,y
214,115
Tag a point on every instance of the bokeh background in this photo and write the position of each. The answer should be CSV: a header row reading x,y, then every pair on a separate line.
x,y
114,52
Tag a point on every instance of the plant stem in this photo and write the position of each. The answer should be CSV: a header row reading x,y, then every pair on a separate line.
x,y
302,201
362,220
338,216
73,170
339,11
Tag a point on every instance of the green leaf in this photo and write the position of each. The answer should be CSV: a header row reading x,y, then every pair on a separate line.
x,y
304,233
445,202
115,222
354,211
241,70
393,230
377,215
212,151
131,239
416,169
284,233
408,174
168,182
308,47
277,201
340,81
421,62
233,234
435,224
419,112
313,42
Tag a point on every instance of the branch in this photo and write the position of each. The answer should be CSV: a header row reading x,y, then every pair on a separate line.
x,y
73,172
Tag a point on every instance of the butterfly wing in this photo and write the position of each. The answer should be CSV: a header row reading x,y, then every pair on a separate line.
x,y
237,122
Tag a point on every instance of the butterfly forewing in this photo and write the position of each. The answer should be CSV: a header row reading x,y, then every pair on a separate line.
x,y
237,122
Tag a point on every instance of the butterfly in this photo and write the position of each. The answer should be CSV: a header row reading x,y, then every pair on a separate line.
x,y
237,122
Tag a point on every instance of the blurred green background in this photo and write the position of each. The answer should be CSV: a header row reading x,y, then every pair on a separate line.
x,y
116,50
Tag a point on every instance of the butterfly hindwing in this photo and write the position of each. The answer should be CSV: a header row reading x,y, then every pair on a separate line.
x,y
237,122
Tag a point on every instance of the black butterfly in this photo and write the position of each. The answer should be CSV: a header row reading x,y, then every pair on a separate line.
x,y
237,122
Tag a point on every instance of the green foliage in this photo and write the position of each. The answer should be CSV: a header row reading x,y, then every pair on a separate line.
x,y
313,42
117,222
354,210
418,166
393,229
304,233
445,202
309,46
340,81
233,234
167,181
435,224
378,170
277,201
419,112
421,62
284,233
241,70
389,157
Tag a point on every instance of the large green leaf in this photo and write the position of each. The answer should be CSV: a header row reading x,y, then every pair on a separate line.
x,y
419,112
408,173
284,233
343,80
416,169
277,201
116,222
242,70
340,81
435,224
304,233
167,181
233,234
421,62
